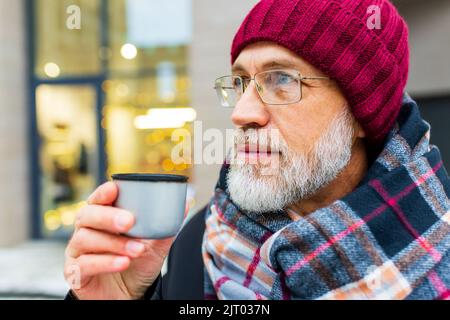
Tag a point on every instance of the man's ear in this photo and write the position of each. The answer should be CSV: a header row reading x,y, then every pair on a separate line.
x,y
359,131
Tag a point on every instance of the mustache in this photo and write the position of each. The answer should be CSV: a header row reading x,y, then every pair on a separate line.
x,y
264,139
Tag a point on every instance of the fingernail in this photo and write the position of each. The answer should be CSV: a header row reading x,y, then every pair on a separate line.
x,y
134,247
123,220
120,262
91,197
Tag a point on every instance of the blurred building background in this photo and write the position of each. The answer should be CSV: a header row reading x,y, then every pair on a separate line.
x,y
74,106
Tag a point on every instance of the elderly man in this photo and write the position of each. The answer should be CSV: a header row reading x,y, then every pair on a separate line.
x,y
357,206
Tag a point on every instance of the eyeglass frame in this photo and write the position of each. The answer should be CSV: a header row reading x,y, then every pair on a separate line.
x,y
244,86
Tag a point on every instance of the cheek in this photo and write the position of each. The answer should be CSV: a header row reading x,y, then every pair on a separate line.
x,y
299,129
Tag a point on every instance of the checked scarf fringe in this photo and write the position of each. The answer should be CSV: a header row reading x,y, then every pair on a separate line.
x,y
388,239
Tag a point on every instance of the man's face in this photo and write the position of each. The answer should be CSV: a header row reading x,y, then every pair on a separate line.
x,y
314,140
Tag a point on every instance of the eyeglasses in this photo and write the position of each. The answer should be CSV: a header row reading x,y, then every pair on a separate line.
x,y
275,87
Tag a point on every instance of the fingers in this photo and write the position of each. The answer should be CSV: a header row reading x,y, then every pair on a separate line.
x,y
105,194
79,271
110,219
87,241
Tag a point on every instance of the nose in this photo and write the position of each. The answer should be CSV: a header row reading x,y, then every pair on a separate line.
x,y
250,110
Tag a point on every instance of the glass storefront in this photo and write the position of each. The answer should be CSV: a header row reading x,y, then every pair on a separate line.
x,y
103,96
68,154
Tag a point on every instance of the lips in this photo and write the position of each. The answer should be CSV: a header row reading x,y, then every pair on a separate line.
x,y
256,148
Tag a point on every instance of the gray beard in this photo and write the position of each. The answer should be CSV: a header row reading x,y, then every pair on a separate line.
x,y
296,176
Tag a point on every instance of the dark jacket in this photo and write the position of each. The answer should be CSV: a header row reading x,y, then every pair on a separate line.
x,y
184,277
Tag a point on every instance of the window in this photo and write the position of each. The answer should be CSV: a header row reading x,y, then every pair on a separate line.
x,y
92,85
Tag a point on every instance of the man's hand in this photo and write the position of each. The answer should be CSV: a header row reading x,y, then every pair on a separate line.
x,y
103,264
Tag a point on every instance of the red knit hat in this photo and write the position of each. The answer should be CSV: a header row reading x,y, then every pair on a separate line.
x,y
369,64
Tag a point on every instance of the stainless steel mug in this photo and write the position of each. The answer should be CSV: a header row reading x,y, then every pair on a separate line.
x,y
158,202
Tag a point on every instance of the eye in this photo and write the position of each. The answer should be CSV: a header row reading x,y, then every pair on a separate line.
x,y
278,79
282,78
237,82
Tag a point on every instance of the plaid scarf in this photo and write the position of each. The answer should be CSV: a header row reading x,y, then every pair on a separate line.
x,y
388,239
